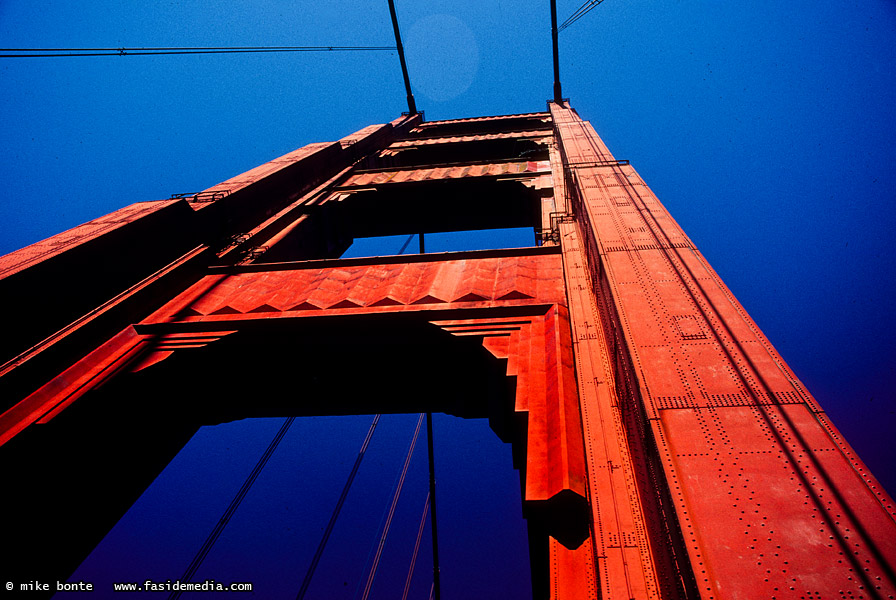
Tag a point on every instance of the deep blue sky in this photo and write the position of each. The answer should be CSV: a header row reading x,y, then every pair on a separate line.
x,y
766,128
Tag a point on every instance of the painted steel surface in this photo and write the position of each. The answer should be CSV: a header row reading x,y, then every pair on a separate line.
x,y
492,119
537,134
504,169
535,342
770,500
483,282
51,247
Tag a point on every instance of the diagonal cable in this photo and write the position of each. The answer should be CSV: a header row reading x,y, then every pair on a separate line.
x,y
348,484
382,543
234,504
407,583
581,12
576,15
406,242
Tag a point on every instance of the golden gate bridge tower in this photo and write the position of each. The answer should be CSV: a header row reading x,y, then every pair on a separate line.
x,y
665,448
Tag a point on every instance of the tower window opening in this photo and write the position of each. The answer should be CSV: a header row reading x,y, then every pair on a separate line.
x,y
443,241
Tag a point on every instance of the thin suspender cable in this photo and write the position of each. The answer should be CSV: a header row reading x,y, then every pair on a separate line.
x,y
234,504
581,12
432,513
575,15
407,583
348,484
382,544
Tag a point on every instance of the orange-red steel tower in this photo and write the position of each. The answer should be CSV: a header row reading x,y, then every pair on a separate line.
x,y
665,447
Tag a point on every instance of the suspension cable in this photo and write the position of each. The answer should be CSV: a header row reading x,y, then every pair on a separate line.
x,y
412,106
234,504
555,54
348,484
581,12
145,51
395,496
407,583
436,586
